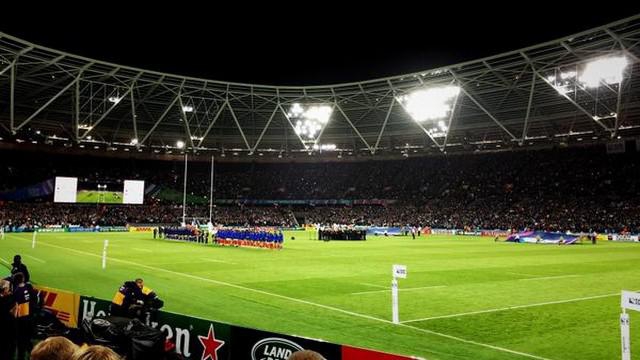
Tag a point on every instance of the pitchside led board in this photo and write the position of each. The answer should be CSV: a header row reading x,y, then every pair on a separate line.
x,y
70,190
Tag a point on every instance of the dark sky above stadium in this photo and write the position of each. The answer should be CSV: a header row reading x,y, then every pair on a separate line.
x,y
298,46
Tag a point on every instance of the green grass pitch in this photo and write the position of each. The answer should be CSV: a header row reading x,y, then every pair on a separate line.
x,y
464,298
94,196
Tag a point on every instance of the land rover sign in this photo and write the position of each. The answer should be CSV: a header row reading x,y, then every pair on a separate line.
x,y
274,348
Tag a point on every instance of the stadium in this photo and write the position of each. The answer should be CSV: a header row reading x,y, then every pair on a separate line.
x,y
488,209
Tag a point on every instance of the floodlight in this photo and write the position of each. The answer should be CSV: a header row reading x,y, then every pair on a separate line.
x,y
608,70
309,122
134,141
187,108
114,99
324,147
180,144
429,103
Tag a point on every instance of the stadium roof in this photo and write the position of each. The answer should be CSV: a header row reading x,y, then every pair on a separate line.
x,y
524,97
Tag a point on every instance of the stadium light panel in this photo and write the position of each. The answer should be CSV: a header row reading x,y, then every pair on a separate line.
x,y
324,147
180,144
430,103
114,99
187,108
134,141
310,121
608,70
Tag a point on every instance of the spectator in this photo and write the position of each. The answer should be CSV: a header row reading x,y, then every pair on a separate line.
x,y
54,348
306,355
7,323
95,352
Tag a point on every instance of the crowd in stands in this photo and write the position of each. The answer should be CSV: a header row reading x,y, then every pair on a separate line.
x,y
29,215
579,189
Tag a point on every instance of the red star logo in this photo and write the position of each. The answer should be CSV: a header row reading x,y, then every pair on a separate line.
x,y
210,344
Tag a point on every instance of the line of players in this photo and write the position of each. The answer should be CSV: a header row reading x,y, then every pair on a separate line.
x,y
238,237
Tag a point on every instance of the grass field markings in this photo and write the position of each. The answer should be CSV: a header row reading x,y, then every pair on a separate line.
x,y
512,308
401,289
322,306
515,352
522,274
5,261
374,285
141,249
218,261
551,277
35,258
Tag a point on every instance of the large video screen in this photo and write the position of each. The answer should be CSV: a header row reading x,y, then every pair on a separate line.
x,y
133,192
65,190
72,190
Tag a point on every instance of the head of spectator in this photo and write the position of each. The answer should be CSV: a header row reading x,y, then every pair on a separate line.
x,y
306,355
17,260
54,348
5,287
18,278
140,283
95,352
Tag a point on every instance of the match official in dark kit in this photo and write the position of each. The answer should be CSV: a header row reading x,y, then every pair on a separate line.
x,y
26,302
19,267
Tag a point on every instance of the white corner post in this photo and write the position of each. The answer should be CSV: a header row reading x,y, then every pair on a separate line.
x,y
398,272
629,300
104,254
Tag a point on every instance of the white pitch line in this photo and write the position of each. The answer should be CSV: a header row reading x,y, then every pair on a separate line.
x,y
374,285
401,289
511,308
327,307
218,261
141,249
523,274
34,258
550,277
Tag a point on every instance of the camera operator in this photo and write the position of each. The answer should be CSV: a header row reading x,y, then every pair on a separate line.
x,y
127,295
133,299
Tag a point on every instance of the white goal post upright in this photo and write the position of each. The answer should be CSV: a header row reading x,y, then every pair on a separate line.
x,y
629,300
104,254
33,240
184,192
211,193
398,272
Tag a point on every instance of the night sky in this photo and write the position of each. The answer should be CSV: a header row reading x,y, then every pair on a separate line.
x,y
299,46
